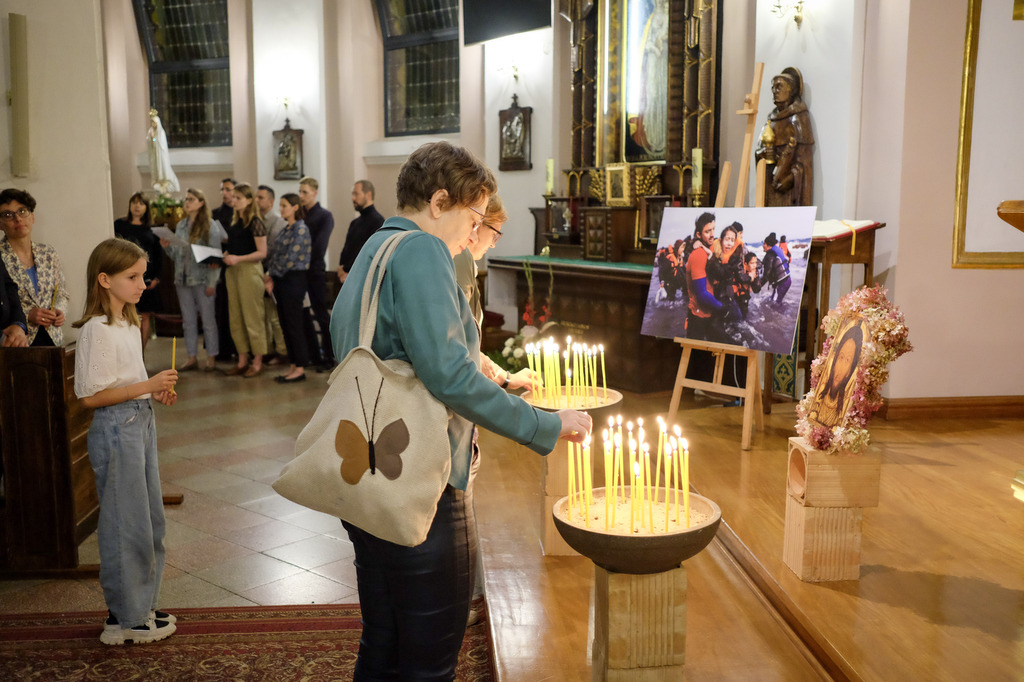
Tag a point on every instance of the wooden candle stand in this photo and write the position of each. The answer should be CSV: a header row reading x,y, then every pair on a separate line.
x,y
639,626
825,497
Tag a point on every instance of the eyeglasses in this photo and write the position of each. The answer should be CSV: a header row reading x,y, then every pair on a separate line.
x,y
8,216
477,223
498,234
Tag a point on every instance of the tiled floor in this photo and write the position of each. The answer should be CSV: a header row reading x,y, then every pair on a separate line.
x,y
233,541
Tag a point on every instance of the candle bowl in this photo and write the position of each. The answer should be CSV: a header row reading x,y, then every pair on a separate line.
x,y
638,553
590,401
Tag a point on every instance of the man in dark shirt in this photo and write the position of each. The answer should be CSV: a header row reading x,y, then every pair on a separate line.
x,y
320,223
360,229
223,214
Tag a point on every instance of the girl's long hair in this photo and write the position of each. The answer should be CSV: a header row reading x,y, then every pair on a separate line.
x,y
146,217
250,212
200,230
111,256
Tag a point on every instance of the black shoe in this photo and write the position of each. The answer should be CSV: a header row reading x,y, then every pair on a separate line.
x,y
326,366
284,380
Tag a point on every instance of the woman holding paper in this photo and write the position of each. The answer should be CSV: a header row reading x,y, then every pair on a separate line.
x,y
35,268
195,282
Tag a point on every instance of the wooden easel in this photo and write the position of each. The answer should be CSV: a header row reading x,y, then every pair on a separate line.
x,y
751,391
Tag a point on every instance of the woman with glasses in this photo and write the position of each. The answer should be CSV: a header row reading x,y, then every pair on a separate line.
x,y
36,269
135,228
415,600
195,282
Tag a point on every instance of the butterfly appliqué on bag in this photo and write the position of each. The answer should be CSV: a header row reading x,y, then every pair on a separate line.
x,y
359,455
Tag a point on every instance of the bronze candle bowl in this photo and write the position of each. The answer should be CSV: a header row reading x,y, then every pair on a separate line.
x,y
639,554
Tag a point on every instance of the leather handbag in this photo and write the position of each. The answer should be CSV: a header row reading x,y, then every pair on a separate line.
x,y
376,452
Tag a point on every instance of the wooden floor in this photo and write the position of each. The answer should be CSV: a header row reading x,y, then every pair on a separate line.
x,y
940,595
941,592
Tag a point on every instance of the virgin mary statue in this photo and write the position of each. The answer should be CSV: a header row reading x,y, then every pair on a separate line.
x,y
160,170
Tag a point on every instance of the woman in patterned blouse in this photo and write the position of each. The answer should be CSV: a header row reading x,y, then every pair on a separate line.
x,y
286,281
36,269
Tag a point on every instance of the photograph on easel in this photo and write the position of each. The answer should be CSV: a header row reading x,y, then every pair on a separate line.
x,y
730,275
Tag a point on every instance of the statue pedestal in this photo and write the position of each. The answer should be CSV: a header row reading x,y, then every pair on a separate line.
x,y
825,497
639,626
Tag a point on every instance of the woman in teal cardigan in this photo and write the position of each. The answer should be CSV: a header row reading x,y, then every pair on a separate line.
x,y
415,600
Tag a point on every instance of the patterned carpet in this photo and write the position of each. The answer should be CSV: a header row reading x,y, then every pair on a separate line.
x,y
276,643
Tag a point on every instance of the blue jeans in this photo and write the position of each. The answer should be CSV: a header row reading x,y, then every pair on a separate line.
x,y
190,299
122,451
415,600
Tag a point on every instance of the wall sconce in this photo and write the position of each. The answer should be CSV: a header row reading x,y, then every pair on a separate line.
x,y
781,9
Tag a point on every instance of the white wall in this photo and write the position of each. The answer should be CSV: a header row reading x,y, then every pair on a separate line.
x,y
287,58
530,55
69,172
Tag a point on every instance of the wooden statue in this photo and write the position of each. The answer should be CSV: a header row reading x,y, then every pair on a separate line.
x,y
787,144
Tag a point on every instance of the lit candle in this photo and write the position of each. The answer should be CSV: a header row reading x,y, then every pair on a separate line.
x,y
617,482
698,169
604,375
572,479
568,376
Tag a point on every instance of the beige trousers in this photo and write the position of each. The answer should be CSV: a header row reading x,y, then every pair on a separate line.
x,y
245,307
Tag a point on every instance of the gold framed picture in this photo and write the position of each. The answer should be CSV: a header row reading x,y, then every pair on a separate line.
x,y
616,184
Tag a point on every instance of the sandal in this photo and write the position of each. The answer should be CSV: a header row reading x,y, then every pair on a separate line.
x,y
189,366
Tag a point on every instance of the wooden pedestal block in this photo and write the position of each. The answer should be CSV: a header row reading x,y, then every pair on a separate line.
x,y
822,543
825,496
639,626
839,480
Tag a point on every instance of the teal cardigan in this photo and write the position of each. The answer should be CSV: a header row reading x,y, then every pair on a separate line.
x,y
425,319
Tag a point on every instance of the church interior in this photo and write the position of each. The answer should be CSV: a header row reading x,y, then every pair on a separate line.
x,y
938,590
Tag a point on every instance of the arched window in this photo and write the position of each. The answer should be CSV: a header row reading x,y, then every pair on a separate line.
x,y
421,66
186,44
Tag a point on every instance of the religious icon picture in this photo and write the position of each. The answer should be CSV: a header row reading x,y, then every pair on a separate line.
x,y
645,81
515,137
288,153
834,392
616,185
730,275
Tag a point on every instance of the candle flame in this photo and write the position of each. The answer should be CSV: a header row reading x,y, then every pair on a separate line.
x,y
686,445
636,469
618,420
678,431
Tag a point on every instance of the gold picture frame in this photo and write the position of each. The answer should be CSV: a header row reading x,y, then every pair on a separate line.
x,y
969,115
617,185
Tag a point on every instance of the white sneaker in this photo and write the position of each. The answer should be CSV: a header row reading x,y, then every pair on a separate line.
x,y
162,615
152,631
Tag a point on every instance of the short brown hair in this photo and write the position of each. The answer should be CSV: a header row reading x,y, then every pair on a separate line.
x,y
495,214
310,182
440,165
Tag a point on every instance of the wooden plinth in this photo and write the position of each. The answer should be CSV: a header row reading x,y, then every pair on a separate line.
x,y
639,626
825,496
554,481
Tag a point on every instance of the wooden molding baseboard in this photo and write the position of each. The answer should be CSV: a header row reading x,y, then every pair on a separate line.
x,y
995,406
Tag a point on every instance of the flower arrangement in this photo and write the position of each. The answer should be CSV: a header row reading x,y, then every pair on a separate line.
x,y
886,339
513,354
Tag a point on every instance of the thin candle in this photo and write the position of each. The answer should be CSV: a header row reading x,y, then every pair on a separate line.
x,y
632,496
683,481
650,488
686,481
604,375
572,479
174,351
608,491
588,483
668,484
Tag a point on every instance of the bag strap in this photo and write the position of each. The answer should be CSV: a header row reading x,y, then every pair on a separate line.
x,y
371,294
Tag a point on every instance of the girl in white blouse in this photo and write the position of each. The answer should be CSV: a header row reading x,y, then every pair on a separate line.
x,y
110,376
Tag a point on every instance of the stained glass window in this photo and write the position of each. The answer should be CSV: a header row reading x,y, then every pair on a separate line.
x,y
186,44
421,66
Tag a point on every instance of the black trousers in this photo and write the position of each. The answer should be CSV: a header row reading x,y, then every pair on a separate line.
x,y
318,302
415,600
289,290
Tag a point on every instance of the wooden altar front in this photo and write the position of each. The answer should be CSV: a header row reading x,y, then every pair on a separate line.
x,y
601,303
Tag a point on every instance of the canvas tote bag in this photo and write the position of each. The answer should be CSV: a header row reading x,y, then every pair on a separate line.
x,y
376,452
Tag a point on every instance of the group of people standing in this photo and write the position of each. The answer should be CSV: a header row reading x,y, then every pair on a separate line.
x,y
717,275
